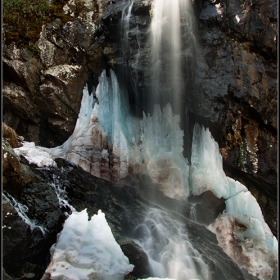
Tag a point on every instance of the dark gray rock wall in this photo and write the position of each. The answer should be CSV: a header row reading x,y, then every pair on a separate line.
x,y
236,89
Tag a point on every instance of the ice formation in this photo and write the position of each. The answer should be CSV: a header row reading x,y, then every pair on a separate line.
x,y
107,133
162,146
241,229
87,250
149,147
35,154
206,172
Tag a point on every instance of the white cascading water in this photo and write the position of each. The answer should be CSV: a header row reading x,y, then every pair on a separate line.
x,y
171,21
170,252
164,240
21,211
126,14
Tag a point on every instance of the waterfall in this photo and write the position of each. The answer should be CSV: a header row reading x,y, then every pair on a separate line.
x,y
163,239
111,143
169,250
125,25
126,14
171,23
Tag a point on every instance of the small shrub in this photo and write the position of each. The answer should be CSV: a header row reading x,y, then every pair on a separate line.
x,y
23,19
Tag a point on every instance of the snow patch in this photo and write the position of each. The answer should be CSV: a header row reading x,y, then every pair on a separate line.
x,y
86,249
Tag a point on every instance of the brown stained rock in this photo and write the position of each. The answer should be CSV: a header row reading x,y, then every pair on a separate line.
x,y
46,99
15,175
229,232
47,91
10,135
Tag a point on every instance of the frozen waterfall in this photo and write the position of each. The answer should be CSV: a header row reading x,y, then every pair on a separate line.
x,y
156,152
109,142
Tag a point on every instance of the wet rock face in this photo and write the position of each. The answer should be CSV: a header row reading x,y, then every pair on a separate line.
x,y
236,91
31,218
236,69
125,208
137,256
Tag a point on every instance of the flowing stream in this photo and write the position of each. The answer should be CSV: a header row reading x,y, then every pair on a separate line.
x,y
169,250
126,14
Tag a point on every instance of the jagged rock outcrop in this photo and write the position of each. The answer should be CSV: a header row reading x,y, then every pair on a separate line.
x,y
31,217
42,91
33,214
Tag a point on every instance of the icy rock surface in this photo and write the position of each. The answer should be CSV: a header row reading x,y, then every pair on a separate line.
x,y
35,154
241,230
107,133
109,142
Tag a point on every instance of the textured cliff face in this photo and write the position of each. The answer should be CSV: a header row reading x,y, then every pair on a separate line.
x,y
237,89
42,91
231,80
232,85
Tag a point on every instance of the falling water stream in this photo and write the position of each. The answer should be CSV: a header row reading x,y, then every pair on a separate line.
x,y
164,239
22,211
169,250
171,29
126,14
